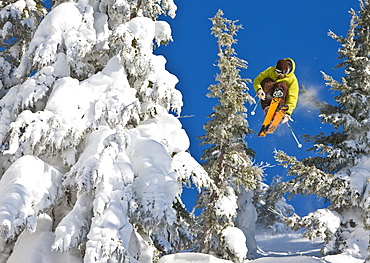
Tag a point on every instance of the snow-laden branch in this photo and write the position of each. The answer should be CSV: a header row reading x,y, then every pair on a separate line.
x,y
28,187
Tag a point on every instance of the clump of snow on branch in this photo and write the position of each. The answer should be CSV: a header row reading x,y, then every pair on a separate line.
x,y
235,239
76,35
326,223
227,203
358,177
187,167
25,192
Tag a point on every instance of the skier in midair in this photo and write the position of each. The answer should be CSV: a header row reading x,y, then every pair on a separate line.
x,y
280,76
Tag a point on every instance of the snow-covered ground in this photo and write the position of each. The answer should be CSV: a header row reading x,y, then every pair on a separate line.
x,y
291,247
277,248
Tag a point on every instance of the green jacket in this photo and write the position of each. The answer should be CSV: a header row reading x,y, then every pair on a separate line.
x,y
290,79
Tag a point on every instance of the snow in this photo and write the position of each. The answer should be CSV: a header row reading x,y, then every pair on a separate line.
x,y
187,167
226,204
55,29
191,258
36,247
331,219
246,221
157,181
235,240
278,248
162,32
25,192
359,174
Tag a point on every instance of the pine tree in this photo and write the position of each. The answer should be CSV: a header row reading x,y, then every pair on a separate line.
x,y
341,175
228,159
18,22
272,208
89,150
350,117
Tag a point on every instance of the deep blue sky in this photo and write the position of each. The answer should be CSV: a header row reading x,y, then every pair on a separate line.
x,y
271,30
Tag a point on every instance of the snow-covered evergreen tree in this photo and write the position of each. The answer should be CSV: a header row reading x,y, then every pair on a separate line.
x,y
228,159
342,173
272,208
18,23
86,135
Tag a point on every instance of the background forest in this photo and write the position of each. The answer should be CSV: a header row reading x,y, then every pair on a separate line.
x,y
94,158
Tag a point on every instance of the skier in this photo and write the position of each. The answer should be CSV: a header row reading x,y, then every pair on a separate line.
x,y
279,76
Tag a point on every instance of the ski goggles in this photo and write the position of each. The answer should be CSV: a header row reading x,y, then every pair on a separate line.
x,y
281,71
